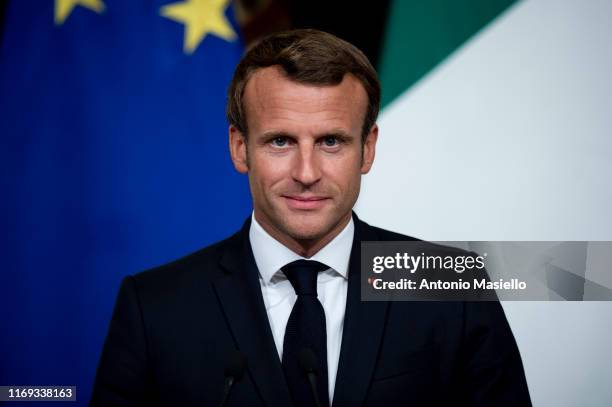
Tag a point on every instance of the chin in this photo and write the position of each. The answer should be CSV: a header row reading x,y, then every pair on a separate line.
x,y
305,232
307,228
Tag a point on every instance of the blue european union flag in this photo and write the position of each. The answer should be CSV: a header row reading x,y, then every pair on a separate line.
x,y
114,159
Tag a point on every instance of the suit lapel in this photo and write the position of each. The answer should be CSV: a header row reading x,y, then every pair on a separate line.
x,y
363,329
240,296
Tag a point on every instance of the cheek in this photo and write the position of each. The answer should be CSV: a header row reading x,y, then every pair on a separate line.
x,y
268,172
344,173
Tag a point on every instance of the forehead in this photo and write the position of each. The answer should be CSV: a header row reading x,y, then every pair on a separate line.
x,y
273,102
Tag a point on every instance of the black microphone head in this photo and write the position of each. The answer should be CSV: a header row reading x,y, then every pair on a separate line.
x,y
236,365
308,361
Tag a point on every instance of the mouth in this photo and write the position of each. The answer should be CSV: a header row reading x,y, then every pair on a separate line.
x,y
305,202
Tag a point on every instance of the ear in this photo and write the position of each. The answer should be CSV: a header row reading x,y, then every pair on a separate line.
x,y
238,150
369,149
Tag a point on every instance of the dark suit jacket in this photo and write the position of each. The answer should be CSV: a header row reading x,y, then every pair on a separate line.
x,y
172,328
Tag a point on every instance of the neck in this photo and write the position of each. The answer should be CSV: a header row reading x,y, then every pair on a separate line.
x,y
304,247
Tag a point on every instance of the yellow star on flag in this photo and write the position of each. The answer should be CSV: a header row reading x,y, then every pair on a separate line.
x,y
200,17
63,8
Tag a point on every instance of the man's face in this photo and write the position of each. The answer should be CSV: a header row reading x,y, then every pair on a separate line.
x,y
303,154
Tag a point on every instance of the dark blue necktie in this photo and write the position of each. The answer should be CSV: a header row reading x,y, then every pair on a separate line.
x,y
305,330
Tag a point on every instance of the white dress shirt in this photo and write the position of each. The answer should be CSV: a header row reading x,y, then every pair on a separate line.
x,y
279,296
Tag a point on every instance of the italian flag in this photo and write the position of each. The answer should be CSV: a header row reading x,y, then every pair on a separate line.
x,y
497,125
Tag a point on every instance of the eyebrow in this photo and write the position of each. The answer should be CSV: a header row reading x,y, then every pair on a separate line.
x,y
333,133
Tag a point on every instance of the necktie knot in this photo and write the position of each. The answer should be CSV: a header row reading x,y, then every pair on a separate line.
x,y
302,274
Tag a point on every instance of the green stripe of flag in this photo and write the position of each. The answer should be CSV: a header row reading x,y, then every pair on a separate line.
x,y
422,33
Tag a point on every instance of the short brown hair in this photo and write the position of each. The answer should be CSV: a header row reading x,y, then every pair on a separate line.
x,y
307,56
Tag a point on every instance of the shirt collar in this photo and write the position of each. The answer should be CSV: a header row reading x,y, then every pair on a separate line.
x,y
270,254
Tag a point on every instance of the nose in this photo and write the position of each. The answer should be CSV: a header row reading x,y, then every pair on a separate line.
x,y
306,168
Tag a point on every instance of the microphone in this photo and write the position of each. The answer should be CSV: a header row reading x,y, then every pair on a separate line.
x,y
234,371
309,364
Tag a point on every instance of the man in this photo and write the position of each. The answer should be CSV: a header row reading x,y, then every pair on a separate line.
x,y
284,291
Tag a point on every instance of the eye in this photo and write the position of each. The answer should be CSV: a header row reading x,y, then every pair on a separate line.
x,y
279,141
331,141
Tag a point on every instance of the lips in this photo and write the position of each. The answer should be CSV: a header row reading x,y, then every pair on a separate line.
x,y
305,203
